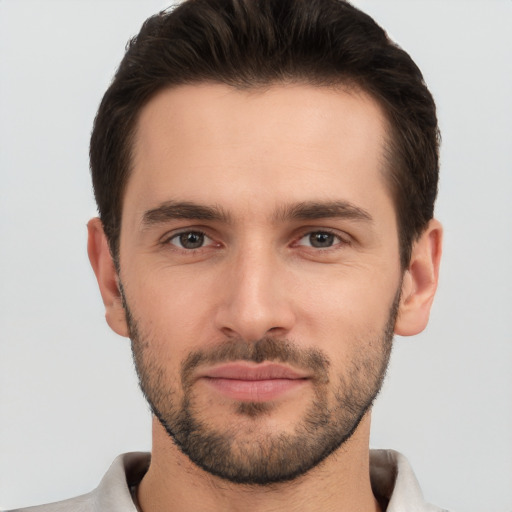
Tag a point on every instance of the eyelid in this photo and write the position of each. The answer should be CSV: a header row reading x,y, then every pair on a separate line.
x,y
169,236
184,228
343,238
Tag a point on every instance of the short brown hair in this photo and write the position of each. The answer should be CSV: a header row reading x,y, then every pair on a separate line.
x,y
251,43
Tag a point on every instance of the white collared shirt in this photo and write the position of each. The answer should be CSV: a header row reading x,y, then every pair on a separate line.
x,y
392,479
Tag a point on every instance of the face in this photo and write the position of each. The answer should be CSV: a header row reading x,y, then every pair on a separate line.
x,y
259,265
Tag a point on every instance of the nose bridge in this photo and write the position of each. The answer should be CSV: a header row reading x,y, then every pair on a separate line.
x,y
254,301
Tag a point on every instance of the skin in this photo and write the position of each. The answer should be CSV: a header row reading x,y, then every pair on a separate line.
x,y
257,154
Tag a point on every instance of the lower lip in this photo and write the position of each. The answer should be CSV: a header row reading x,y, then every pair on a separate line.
x,y
254,390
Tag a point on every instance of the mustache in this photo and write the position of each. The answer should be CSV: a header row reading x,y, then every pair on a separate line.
x,y
265,349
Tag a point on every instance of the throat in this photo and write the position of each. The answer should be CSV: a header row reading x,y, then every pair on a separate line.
x,y
340,483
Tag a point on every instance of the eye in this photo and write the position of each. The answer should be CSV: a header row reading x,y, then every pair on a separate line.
x,y
190,240
320,240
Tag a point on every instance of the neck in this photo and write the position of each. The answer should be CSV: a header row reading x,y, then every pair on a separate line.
x,y
340,483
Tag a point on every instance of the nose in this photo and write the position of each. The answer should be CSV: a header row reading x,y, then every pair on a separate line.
x,y
254,299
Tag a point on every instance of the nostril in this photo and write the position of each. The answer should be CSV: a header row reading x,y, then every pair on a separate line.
x,y
228,332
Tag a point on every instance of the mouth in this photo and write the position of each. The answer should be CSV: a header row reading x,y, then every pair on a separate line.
x,y
251,382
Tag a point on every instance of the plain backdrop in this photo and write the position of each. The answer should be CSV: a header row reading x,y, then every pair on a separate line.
x,y
69,401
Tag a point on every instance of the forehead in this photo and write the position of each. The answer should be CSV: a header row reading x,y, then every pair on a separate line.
x,y
214,143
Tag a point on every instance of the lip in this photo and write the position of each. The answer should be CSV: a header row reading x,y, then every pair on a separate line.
x,y
252,371
253,382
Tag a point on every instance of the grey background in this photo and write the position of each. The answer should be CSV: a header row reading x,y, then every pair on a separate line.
x,y
69,401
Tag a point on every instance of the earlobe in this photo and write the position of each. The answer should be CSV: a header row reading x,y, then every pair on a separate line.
x,y
420,281
106,275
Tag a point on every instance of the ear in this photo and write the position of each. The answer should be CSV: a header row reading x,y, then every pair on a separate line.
x,y
108,280
420,281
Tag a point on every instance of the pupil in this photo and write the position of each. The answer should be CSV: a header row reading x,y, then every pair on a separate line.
x,y
191,240
321,239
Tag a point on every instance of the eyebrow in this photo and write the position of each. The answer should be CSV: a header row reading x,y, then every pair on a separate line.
x,y
171,210
312,210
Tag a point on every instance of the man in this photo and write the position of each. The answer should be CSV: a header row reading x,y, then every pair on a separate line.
x,y
265,174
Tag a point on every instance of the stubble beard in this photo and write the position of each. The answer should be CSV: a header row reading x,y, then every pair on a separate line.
x,y
256,456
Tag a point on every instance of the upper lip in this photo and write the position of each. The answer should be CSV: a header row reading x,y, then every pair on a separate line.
x,y
242,370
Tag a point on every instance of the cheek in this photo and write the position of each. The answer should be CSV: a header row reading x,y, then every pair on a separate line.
x,y
343,314
172,311
347,296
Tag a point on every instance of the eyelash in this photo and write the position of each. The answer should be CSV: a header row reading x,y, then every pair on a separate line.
x,y
168,240
339,240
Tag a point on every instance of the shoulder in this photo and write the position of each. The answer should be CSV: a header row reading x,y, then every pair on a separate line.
x,y
394,482
78,504
113,492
